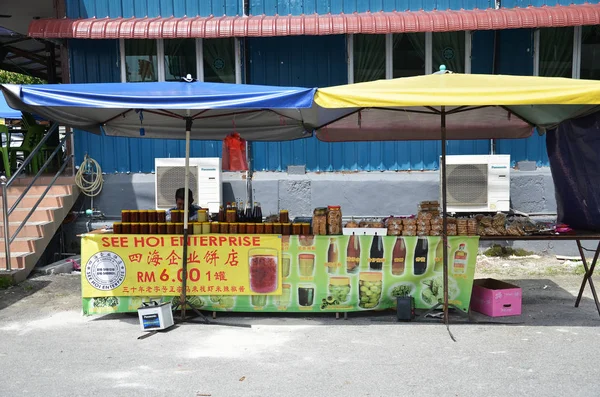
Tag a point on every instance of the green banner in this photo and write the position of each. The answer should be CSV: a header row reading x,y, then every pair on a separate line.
x,y
345,274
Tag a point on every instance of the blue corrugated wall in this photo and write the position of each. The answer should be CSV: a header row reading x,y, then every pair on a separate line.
x,y
298,61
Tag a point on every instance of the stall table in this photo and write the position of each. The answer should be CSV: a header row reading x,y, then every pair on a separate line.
x,y
578,237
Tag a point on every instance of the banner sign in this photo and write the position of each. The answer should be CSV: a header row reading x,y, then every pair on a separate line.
x,y
143,265
334,274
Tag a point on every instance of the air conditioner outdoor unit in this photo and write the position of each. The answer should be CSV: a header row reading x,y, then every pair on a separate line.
x,y
477,183
205,181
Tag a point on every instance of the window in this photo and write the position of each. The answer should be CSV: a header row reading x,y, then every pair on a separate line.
x,y
556,52
369,57
141,61
376,57
590,52
408,54
448,48
219,60
213,60
180,59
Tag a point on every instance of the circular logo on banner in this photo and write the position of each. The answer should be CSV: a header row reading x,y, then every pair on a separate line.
x,y
219,64
105,271
448,53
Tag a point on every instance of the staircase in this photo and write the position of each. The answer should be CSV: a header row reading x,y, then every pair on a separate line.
x,y
28,246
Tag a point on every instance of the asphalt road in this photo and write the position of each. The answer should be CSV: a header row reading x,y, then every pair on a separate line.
x,y
47,348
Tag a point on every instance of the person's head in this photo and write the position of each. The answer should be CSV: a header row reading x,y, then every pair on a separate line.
x,y
180,198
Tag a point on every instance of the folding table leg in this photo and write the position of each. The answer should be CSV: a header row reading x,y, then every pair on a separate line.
x,y
588,276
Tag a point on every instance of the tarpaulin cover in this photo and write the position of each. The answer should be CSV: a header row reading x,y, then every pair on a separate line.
x,y
123,109
6,112
476,106
573,149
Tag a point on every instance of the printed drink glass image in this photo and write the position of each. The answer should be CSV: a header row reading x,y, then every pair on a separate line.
x,y
286,261
306,263
306,295
285,298
263,270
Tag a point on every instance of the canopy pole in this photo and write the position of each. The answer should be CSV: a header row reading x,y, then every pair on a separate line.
x,y
444,215
186,204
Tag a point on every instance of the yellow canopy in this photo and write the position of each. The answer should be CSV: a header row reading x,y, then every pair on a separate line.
x,y
475,106
460,90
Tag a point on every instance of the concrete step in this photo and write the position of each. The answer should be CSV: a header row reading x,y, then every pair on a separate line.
x,y
45,181
22,244
49,201
31,229
39,190
18,260
40,214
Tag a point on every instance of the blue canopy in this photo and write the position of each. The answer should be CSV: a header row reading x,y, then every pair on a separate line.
x,y
6,112
158,110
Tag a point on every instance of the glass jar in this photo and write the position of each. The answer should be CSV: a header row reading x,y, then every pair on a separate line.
x,y
126,216
143,216
161,216
126,228
214,227
135,228
197,226
268,228
205,227
319,223
277,228
305,229
230,216
202,215
260,228
153,228
339,289
233,228
284,216
263,270
286,229
162,228
179,228
296,229
144,228
117,228
152,216
334,220
251,228
170,228
369,284
223,227
242,228
134,216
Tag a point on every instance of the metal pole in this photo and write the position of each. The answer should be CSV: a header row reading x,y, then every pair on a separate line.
x,y
249,174
444,215
186,201
5,220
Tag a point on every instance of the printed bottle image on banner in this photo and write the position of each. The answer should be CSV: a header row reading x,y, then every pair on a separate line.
x,y
399,257
376,255
353,254
460,260
439,257
420,261
332,257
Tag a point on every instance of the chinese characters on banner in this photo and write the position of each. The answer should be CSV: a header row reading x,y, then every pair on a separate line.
x,y
148,265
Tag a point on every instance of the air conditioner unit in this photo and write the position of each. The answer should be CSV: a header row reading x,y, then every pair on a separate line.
x,y
204,181
478,183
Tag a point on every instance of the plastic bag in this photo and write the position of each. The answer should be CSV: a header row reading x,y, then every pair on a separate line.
x,y
234,153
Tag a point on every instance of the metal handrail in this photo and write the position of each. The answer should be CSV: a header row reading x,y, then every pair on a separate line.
x,y
8,238
35,151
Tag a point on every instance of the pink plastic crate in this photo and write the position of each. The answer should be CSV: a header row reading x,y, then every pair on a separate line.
x,y
496,298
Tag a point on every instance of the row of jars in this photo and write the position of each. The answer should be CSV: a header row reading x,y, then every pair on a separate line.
x,y
285,229
158,216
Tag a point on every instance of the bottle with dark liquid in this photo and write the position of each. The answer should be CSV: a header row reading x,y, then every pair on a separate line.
x,y
258,217
376,254
353,254
234,208
420,262
241,217
221,216
248,213
399,257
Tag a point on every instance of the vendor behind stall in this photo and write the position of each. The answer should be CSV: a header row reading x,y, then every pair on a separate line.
x,y
180,201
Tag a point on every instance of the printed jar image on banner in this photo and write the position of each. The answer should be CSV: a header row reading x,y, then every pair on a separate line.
x,y
306,294
306,265
263,270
